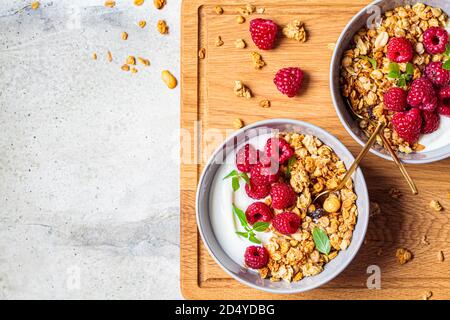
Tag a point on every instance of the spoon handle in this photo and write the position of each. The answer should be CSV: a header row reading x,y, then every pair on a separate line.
x,y
399,164
361,155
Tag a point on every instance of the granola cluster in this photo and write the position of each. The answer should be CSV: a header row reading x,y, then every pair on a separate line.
x,y
365,67
317,168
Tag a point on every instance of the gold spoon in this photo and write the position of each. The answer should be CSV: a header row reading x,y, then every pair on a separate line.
x,y
355,164
388,146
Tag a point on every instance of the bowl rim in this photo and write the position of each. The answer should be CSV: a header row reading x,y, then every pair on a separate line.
x,y
364,194
333,62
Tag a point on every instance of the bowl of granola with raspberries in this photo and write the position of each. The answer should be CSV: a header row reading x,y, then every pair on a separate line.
x,y
391,64
256,212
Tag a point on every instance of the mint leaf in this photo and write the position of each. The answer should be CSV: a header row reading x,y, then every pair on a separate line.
x,y
410,69
233,173
394,67
446,65
373,62
242,234
447,51
253,239
291,163
235,184
241,216
244,176
321,240
393,75
260,226
401,82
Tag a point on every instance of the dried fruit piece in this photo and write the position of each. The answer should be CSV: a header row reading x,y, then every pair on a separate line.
x,y
169,79
403,255
395,99
258,212
286,223
289,81
159,4
430,122
240,90
400,50
408,125
256,257
264,33
258,61
162,27
283,196
295,30
422,95
435,40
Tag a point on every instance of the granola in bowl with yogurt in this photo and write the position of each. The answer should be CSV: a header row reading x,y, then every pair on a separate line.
x,y
399,73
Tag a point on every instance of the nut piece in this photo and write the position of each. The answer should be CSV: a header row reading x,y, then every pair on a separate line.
x,y
159,4
240,44
143,61
124,35
169,79
138,2
125,67
427,295
134,70
109,56
295,30
219,41
218,10
131,60
258,61
142,23
381,40
240,19
162,27
110,3
94,56
35,5
434,204
441,256
264,104
238,123
403,255
202,53
240,90
332,204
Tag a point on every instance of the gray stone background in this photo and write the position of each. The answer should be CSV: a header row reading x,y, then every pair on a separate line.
x,y
89,199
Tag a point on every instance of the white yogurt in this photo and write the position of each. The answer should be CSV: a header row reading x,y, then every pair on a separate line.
x,y
438,139
222,197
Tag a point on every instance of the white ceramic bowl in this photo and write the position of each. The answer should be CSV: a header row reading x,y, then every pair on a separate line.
x,y
344,114
250,277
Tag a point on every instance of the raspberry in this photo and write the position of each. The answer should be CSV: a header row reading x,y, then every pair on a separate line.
x,y
246,157
395,99
289,81
279,150
422,95
257,191
258,212
444,102
265,173
435,40
437,75
430,122
264,33
286,223
283,196
408,125
400,50
256,257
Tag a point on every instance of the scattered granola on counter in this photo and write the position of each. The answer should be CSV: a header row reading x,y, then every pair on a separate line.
x,y
242,91
403,255
258,61
238,123
240,44
295,30
436,206
264,103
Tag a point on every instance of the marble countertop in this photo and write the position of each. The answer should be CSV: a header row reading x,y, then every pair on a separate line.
x,y
89,176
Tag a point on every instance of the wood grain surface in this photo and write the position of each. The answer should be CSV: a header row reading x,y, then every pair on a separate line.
x,y
209,106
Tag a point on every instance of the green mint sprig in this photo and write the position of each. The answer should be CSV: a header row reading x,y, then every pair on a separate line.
x,y
249,231
321,240
402,78
373,62
235,177
292,161
446,64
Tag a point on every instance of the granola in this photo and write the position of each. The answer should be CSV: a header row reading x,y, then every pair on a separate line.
x,y
258,61
295,30
241,90
365,66
403,255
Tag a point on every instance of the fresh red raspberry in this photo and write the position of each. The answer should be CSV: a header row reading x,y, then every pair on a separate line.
x,y
246,157
289,81
395,99
258,212
265,173
422,95
277,149
435,40
437,75
256,257
400,50
286,223
408,125
444,102
430,122
264,33
283,196
257,191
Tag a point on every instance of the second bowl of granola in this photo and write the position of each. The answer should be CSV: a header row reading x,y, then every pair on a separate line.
x,y
255,209
388,66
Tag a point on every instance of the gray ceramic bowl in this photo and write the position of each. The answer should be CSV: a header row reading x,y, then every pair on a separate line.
x,y
346,118
250,277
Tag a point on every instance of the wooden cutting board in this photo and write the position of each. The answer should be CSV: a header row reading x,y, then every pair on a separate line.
x,y
209,106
